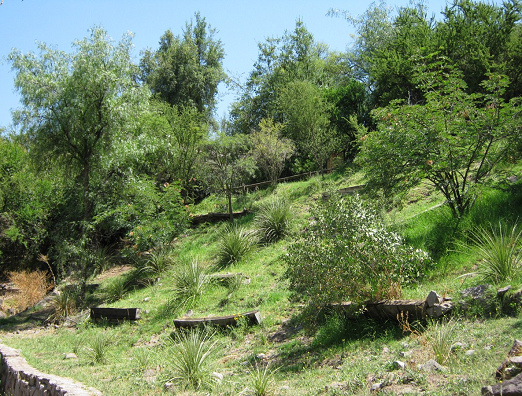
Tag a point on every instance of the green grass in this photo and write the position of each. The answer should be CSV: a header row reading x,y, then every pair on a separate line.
x,y
339,357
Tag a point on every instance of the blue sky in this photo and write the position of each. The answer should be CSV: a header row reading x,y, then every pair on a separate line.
x,y
240,25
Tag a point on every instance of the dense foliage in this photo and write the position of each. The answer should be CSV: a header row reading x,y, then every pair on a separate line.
x,y
347,254
454,140
108,154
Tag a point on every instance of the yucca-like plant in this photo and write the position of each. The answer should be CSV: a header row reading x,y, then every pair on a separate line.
x,y
235,243
63,304
191,357
190,281
116,289
273,220
155,263
499,251
261,380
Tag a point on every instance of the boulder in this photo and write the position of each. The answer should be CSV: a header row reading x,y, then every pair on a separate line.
x,y
512,387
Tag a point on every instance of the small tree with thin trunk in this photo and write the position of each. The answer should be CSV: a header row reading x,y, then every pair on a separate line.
x,y
270,150
454,140
226,164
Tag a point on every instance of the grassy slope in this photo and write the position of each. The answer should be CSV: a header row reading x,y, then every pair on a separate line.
x,y
341,358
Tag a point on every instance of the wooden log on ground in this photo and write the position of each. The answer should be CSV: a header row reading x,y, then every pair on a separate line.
x,y
392,309
253,318
229,276
216,217
346,191
115,314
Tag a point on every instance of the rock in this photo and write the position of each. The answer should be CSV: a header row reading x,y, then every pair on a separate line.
x,y
217,376
260,356
405,353
510,387
284,388
432,365
476,293
168,386
398,365
511,366
2,315
146,299
432,299
70,356
457,346
501,292
385,350
470,352
375,387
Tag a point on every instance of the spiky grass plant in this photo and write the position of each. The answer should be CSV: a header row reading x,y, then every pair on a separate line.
x,y
191,355
440,337
190,281
235,243
500,252
116,289
63,305
98,349
143,358
261,380
154,264
273,220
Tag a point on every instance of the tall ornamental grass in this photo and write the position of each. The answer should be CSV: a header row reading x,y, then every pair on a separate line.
x,y
273,220
499,251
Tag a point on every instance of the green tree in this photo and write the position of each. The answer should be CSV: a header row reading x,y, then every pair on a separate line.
x,y
281,60
186,70
349,110
454,140
476,35
167,143
270,149
74,105
383,50
226,164
28,202
307,121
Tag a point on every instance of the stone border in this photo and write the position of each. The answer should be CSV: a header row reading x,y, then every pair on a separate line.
x,y
20,379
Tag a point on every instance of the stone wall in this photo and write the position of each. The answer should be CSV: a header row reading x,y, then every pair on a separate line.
x,y
19,379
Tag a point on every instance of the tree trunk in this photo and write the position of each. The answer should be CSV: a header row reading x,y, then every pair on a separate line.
x,y
229,197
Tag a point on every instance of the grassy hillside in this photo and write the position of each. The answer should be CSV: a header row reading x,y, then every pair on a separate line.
x,y
338,356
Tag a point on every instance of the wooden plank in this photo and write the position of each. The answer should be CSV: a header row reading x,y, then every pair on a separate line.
x,y
229,276
390,309
214,217
254,318
115,313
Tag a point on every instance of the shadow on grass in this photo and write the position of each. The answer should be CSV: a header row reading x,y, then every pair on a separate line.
x,y
437,231
332,336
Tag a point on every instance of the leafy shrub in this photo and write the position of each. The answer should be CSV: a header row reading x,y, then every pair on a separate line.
x,y
499,251
191,280
273,220
347,254
235,243
191,357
